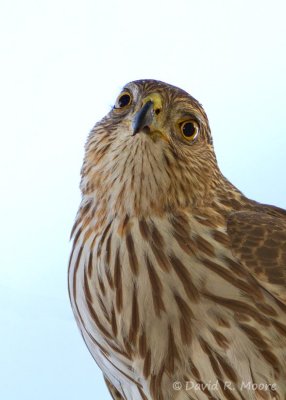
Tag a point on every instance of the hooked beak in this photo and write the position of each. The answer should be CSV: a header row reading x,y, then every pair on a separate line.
x,y
144,117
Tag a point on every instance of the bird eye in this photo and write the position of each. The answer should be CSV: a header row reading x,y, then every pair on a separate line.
x,y
123,100
189,130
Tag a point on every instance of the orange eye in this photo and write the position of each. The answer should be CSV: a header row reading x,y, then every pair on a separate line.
x,y
123,100
189,130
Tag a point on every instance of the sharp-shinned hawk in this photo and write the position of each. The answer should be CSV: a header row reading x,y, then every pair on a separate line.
x,y
176,279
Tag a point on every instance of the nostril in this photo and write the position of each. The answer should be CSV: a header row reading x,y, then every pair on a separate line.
x,y
157,111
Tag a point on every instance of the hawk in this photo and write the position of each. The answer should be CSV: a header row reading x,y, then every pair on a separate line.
x,y
176,279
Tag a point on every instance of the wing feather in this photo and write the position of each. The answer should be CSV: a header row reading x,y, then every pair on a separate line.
x,y
112,390
258,241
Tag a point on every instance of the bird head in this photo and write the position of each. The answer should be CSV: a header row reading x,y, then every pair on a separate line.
x,y
153,151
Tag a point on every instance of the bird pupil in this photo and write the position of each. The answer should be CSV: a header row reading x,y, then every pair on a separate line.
x,y
124,100
189,129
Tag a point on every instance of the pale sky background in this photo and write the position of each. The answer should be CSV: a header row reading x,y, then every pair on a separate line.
x,y
63,63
